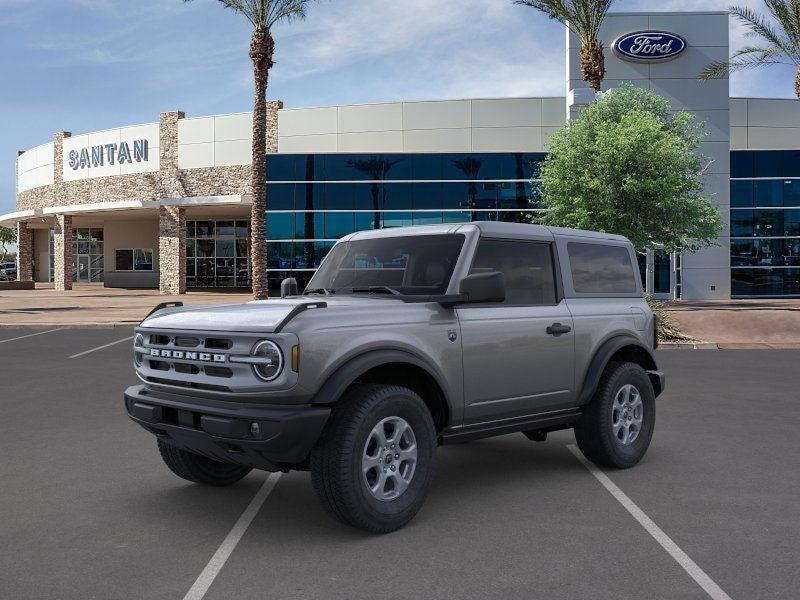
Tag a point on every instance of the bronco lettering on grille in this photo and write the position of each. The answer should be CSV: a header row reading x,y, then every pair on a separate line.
x,y
182,354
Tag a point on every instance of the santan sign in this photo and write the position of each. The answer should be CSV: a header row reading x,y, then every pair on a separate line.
x,y
649,46
97,156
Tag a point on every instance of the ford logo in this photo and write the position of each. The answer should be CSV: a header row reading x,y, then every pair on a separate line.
x,y
649,46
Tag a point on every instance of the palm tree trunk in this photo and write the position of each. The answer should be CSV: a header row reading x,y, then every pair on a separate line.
x,y
593,66
262,48
797,84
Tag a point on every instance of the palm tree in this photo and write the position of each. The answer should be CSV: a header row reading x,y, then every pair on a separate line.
x,y
262,15
780,41
584,19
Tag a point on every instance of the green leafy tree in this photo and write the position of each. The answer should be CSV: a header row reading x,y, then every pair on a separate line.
x,y
263,15
8,236
778,40
584,18
629,166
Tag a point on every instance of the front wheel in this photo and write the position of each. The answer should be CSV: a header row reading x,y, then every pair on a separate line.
x,y
199,469
617,426
373,465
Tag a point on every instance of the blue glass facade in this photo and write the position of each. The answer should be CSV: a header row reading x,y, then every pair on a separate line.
x,y
315,199
765,223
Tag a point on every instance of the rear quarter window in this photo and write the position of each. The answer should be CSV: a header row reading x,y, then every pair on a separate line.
x,y
601,269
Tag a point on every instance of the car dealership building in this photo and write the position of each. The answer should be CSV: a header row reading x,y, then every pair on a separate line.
x,y
167,204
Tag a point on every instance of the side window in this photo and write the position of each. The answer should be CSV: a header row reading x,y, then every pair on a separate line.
x,y
601,269
526,266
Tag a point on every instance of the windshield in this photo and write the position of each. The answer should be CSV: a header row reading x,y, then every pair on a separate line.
x,y
409,265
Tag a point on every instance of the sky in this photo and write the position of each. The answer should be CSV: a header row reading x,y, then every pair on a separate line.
x,y
86,65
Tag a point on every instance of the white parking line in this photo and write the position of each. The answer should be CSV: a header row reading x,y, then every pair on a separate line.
x,y
214,566
101,347
22,337
694,571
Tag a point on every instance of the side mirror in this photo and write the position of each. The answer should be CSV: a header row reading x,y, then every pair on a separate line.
x,y
289,287
483,287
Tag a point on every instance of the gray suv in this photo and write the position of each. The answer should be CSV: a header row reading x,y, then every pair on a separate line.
x,y
404,340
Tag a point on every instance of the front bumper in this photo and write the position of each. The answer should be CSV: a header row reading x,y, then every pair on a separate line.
x,y
284,435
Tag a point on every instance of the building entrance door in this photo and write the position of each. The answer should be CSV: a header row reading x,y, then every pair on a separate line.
x,y
83,269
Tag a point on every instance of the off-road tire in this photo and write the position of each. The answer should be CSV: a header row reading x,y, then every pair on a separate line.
x,y
199,469
594,432
336,467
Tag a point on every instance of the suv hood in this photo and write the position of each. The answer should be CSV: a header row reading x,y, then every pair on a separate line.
x,y
262,316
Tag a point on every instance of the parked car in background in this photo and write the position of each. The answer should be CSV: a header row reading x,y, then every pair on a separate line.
x,y
8,271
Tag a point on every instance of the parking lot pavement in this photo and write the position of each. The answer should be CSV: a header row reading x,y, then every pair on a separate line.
x,y
88,509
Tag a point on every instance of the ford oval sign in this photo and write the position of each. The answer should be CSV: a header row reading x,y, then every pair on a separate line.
x,y
649,46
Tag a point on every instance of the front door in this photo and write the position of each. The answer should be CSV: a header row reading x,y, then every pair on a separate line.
x,y
519,356
83,268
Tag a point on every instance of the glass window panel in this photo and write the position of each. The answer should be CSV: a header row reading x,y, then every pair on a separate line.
x,y
309,226
342,167
242,248
527,166
280,226
364,221
338,225
768,193
83,247
205,248
484,195
280,255
601,269
526,266
190,263
768,223
225,267
226,228
426,166
464,166
189,229
742,223
339,196
321,250
454,195
304,255
226,248
513,195
742,164
741,194
204,229
143,260
514,217
427,218
429,195
791,192
189,248
123,260
790,165
242,229
366,196
397,219
310,196
456,216
768,163
242,271
791,222
281,167
280,196
396,196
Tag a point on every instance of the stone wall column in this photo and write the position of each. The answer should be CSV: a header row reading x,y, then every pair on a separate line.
x,y
169,176
24,252
172,250
62,250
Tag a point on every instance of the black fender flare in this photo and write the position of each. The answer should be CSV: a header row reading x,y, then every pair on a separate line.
x,y
602,357
336,384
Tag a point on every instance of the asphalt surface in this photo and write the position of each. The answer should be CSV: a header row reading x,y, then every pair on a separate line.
x,y
87,509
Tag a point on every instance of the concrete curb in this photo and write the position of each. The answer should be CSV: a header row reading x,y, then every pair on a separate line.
x,y
689,345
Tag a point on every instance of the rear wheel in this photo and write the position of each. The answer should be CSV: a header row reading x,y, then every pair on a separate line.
x,y
374,463
617,426
199,469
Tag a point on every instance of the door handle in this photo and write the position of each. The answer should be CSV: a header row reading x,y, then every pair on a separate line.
x,y
557,329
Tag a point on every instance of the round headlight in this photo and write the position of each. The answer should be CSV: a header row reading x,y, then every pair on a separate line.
x,y
138,348
270,364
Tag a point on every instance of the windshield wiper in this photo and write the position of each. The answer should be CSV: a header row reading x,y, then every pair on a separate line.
x,y
375,289
323,291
